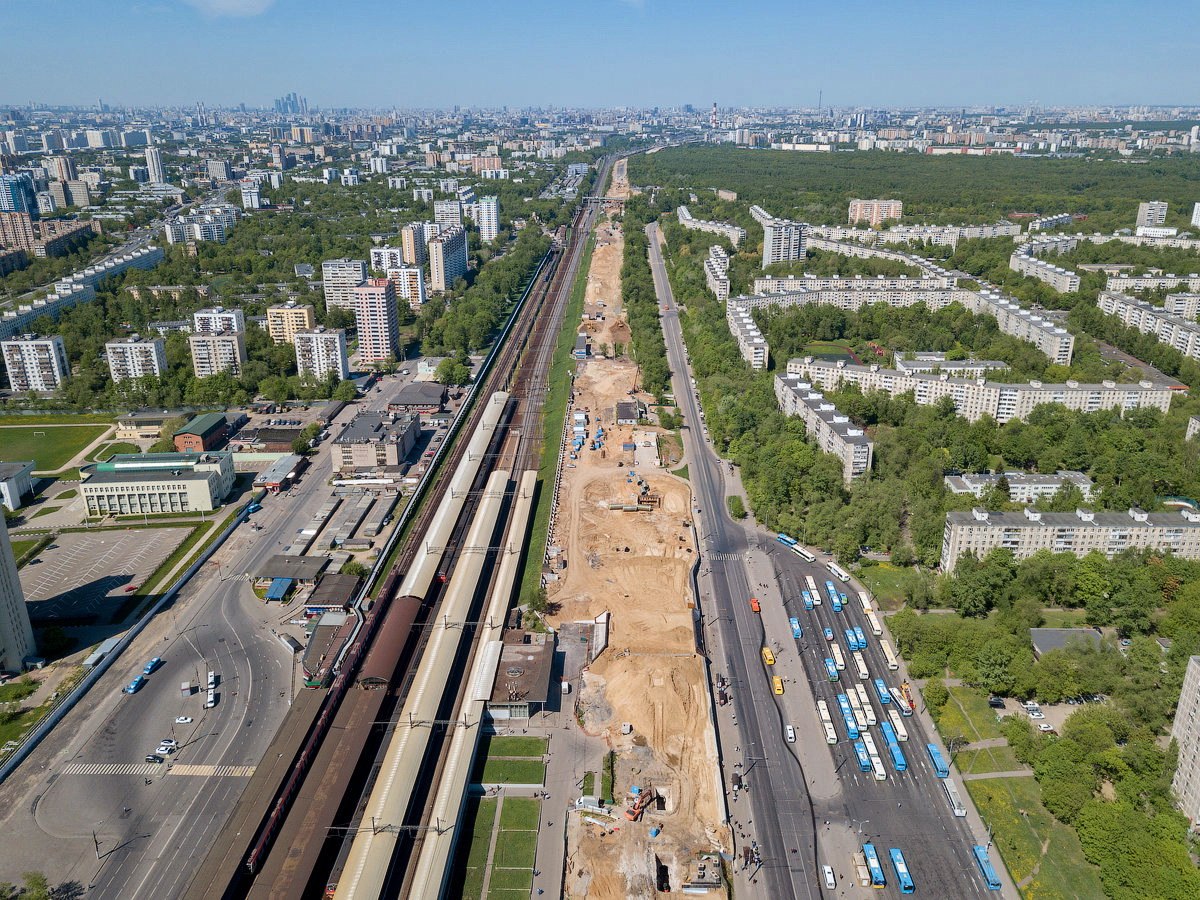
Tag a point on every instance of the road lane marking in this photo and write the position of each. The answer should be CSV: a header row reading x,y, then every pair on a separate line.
x,y
144,769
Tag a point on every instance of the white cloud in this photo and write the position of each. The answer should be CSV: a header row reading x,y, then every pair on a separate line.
x,y
239,8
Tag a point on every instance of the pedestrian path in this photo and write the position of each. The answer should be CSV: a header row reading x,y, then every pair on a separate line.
x,y
983,776
145,769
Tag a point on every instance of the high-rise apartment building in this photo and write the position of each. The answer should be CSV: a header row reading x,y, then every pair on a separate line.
x,y
136,357
377,319
35,362
447,258
1196,215
386,257
831,430
17,194
218,318
339,278
414,238
62,168
284,320
1186,733
223,351
783,239
447,213
16,634
154,165
251,194
1153,212
485,212
410,284
320,351
220,170
70,193
875,212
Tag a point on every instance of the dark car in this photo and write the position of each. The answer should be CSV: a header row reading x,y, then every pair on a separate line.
x,y
996,702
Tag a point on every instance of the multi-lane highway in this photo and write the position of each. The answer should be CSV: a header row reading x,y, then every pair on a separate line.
x,y
810,805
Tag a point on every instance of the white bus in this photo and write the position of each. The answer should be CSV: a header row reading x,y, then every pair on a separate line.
x,y
889,654
812,589
803,554
861,665
865,599
873,752
873,621
956,803
838,572
827,722
898,724
856,707
868,709
838,659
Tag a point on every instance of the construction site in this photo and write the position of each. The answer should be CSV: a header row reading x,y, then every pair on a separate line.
x,y
622,543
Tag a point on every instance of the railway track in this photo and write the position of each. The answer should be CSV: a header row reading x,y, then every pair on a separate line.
x,y
300,842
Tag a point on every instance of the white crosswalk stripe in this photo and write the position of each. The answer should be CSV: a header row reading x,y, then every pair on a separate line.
x,y
144,769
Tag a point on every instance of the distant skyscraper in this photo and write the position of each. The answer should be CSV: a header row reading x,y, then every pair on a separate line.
x,y
712,117
154,165
16,634
377,319
1152,213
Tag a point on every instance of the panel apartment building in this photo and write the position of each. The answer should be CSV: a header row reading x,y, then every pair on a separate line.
x,y
751,343
830,430
716,272
875,212
284,320
1183,334
35,362
339,278
735,233
447,258
1185,730
136,357
320,351
783,239
1024,533
222,351
377,320
16,633
976,398
217,319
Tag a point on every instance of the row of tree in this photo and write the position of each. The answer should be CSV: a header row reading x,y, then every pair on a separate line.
x,y
641,300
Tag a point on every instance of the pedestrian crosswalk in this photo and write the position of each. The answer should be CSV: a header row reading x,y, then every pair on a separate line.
x,y
145,769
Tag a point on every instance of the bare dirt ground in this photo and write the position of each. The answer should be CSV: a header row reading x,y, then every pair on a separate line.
x,y
620,181
603,294
634,565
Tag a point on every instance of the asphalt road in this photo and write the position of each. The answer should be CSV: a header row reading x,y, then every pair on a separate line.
x,y
155,822
782,820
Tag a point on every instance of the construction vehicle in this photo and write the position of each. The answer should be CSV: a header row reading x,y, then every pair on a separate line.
x,y
640,800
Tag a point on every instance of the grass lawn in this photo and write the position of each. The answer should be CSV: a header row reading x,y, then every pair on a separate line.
x,y
505,881
513,746
50,447
682,472
471,885
886,583
20,547
14,729
520,814
514,771
989,759
589,783
16,690
45,510
834,350
1063,618
104,451
966,713
1020,825
67,494
515,850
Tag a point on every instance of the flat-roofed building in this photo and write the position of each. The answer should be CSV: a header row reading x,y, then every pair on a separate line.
x,y
218,318
377,321
1081,532
875,212
447,258
372,440
148,483
414,238
321,351
206,431
933,363
285,319
16,483
1175,331
783,239
1185,731
830,430
339,278
448,213
1193,428
16,634
751,343
1023,487
716,272
136,357
35,362
386,257
409,282
735,233
223,351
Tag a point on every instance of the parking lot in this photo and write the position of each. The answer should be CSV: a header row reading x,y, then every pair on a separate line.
x,y
87,573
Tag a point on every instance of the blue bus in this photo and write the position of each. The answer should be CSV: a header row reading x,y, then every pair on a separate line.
x,y
797,631
786,541
893,746
901,867
831,669
848,716
832,594
808,600
990,878
939,764
862,638
873,866
864,758
851,639
881,688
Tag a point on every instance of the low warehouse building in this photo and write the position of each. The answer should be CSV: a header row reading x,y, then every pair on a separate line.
x,y
149,483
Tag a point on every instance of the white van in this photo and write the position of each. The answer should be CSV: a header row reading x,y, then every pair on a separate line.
x,y
830,881
791,734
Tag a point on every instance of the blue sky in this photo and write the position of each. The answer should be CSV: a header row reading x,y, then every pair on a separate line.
x,y
600,52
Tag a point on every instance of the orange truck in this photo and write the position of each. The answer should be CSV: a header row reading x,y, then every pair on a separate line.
x,y
755,605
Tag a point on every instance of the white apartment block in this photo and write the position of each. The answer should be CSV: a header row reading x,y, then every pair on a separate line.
x,y
1129,284
1047,222
16,634
339,278
1196,215
1023,487
976,398
377,320
788,283
1193,428
1185,731
829,429
980,531
413,240
208,223
1153,212
218,318
751,343
136,357
218,352
939,235
783,239
423,195
448,213
817,241
251,194
1155,231
320,351
735,233
384,258
716,272
447,258
875,212
285,319
410,284
397,182
35,362
485,213
852,294
154,165
932,363
1174,331
1026,262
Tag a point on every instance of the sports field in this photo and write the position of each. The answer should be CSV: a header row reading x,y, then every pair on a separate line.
x,y
49,446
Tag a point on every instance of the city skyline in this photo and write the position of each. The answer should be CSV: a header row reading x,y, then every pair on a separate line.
x,y
226,52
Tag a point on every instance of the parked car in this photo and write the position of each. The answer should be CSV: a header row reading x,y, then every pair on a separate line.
x,y
996,702
152,665
136,685
1036,714
1046,729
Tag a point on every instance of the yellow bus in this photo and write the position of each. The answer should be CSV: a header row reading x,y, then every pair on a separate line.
x,y
768,656
777,684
